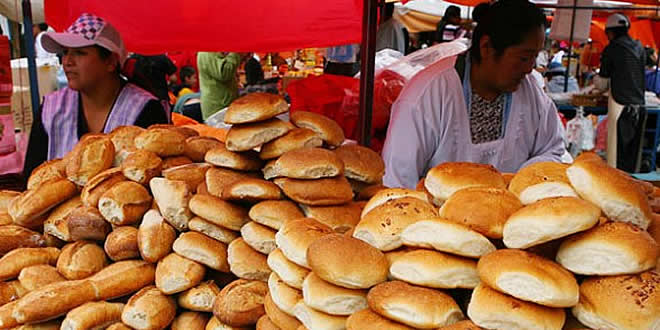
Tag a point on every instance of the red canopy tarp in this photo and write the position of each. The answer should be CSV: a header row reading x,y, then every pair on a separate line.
x,y
219,25
473,3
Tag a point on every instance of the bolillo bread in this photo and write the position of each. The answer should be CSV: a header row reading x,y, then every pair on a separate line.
x,y
294,139
199,298
341,218
255,107
280,318
192,174
283,296
240,303
122,244
99,184
169,162
295,236
541,180
175,274
274,214
154,237
244,137
12,290
57,223
125,203
320,192
172,198
80,260
217,179
435,269
331,299
13,262
212,230
202,249
92,315
243,161
313,319
13,237
149,309
141,166
251,191
305,163
28,209
53,300
197,146
290,273
35,277
385,195
91,156
122,278
52,169
245,262
190,321
161,141
259,237
367,319
87,223
361,163
123,137
219,212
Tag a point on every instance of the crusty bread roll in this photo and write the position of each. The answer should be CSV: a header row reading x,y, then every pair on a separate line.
x,y
7,319
149,309
382,226
190,321
446,236
325,127
613,248
264,323
169,162
368,192
219,212
385,195
92,315
99,184
91,156
161,141
435,270
294,139
284,296
242,161
53,300
141,166
326,191
280,318
547,220
341,218
52,169
187,132
49,325
240,303
491,310
118,326
367,319
80,260
445,179
202,189
541,180
37,276
290,273
305,163
274,213
247,136
413,305
212,230
255,107
295,236
154,237
27,209
219,178
366,267
251,190
122,244
57,222
615,193
313,319
175,274
192,174
196,147
484,210
12,290
13,237
13,262
5,219
361,163
122,278
172,198
203,249
199,298
259,237
329,298
87,223
125,203
465,325
6,196
123,137
215,324
246,262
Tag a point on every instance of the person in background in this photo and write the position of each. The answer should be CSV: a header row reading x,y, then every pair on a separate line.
x,y
152,73
343,60
188,81
556,74
218,82
38,31
449,28
391,33
253,71
97,99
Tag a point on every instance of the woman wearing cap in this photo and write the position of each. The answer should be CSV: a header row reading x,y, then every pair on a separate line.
x,y
97,98
487,109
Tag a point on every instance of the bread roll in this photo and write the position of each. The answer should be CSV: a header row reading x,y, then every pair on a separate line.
x,y
53,300
242,161
240,303
122,278
484,210
57,222
367,319
172,198
547,220
37,276
613,248
255,107
52,169
382,227
155,237
161,141
199,298
118,326
215,324
13,262
27,209
247,136
313,319
295,139
192,174
175,274
80,260
388,194
93,315
7,319
91,156
264,323
325,127
490,309
203,249
366,267
190,321
274,213
290,273
251,191
361,163
141,166
279,318
368,192
259,237
212,230
196,147
219,212
541,180
341,218
202,189
284,296
99,184
295,236
13,237
445,179
245,262
435,270
6,196
187,132
122,244
123,137
149,309
446,236
217,179
50,325
613,192
87,223
326,191
125,203
169,162
5,219
329,298
462,325
305,163
12,290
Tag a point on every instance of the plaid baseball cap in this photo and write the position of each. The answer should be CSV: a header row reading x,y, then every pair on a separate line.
x,y
87,30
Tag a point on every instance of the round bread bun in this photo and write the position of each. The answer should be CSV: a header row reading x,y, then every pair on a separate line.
x,y
327,257
313,319
294,139
247,263
125,203
243,161
305,163
462,325
215,324
620,198
620,302
219,212
190,321
121,243
241,303
320,192
141,166
245,137
175,274
325,127
264,323
280,318
80,260
341,218
217,179
174,161
446,236
197,146
284,296
367,319
99,184
332,299
29,207
385,195
259,237
192,174
212,230
91,156
287,271
547,220
203,249
445,179
484,210
493,310
274,213
529,277
149,308
382,226
52,169
541,180
361,163
251,190
255,107
199,298
613,248
161,141
435,270
295,236
413,305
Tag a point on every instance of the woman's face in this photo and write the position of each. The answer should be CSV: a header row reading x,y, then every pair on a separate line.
x,y
84,67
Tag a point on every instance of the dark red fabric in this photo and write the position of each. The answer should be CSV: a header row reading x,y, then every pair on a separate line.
x,y
154,27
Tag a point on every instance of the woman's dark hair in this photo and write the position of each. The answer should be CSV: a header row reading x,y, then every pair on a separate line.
x,y
507,23
186,72
452,11
479,11
105,53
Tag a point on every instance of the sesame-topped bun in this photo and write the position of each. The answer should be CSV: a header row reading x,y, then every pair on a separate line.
x,y
541,180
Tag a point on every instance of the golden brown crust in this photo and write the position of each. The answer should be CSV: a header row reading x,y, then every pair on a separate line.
x,y
251,191
175,274
361,163
274,213
37,276
217,179
279,318
445,179
91,156
245,262
197,146
80,260
190,321
164,142
123,137
149,309
13,262
294,139
99,184
219,212
244,137
255,107
341,218
242,161
122,278
13,237
367,319
141,166
169,162
11,291
240,303
295,237
326,191
172,198
121,244
125,203
57,223
87,223
538,173
327,128
264,323
52,169
202,249
93,315
305,163
155,237
28,208
53,300
212,230
187,132
199,298
192,174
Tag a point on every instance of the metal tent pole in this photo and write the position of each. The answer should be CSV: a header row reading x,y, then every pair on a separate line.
x,y
367,60
29,50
